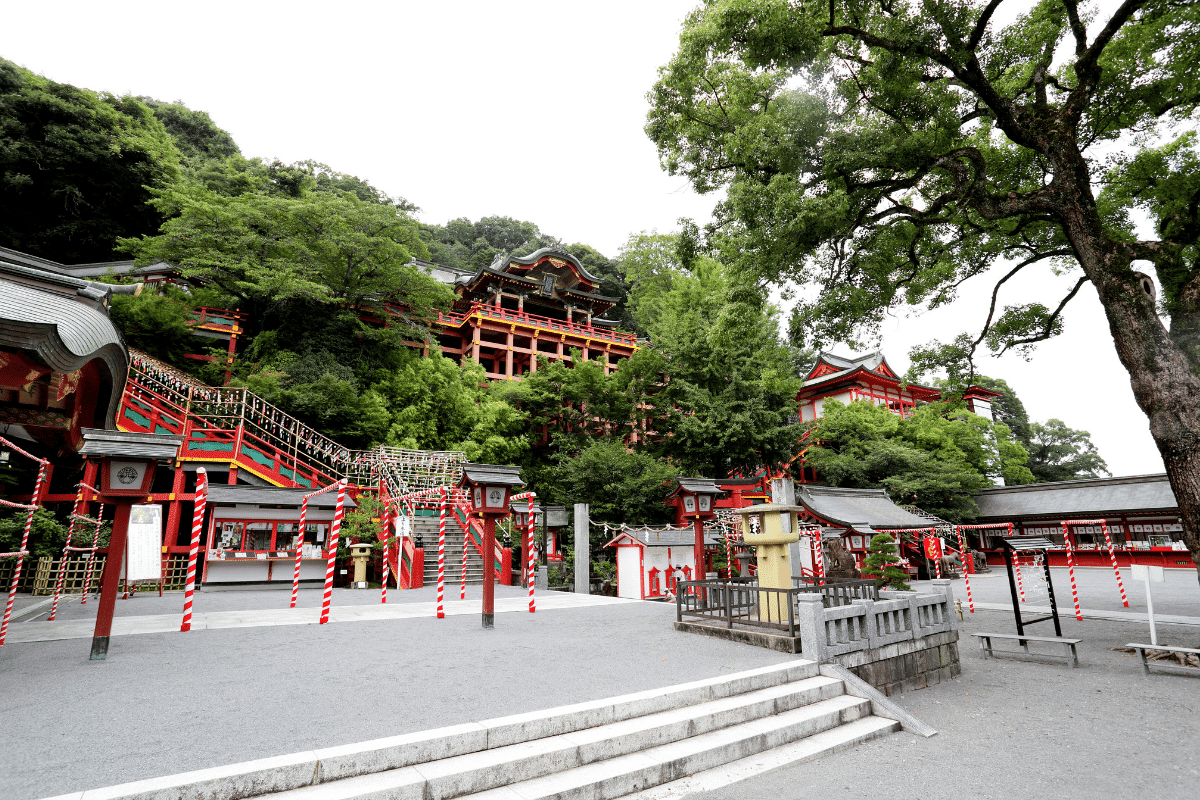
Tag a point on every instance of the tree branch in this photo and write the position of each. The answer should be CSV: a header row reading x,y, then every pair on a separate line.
x,y
981,25
996,290
1048,327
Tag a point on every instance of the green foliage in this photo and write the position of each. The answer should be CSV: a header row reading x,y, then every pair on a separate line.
x,y
362,524
318,247
47,535
887,154
1058,453
619,484
77,167
882,563
158,324
935,461
730,381
196,136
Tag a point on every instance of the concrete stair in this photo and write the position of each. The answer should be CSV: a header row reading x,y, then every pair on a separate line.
x,y
590,751
425,535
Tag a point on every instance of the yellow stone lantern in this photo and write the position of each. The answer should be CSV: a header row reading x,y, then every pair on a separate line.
x,y
771,528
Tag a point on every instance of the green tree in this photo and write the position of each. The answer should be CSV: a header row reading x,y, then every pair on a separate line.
x,y
264,249
77,167
731,380
883,563
196,136
621,485
1058,453
938,458
888,153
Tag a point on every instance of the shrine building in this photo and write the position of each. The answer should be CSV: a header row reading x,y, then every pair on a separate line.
x,y
517,308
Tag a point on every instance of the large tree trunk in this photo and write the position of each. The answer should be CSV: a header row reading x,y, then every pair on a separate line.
x,y
1165,383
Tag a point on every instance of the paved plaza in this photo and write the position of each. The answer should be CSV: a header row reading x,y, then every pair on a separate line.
x,y
261,680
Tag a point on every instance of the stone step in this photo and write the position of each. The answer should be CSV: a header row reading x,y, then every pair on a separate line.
x,y
623,756
598,749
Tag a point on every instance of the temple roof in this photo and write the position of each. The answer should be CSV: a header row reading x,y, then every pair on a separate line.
x,y
92,270
859,509
1094,497
272,496
833,369
62,322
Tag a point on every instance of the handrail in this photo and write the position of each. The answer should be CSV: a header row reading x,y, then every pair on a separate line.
x,y
206,408
508,315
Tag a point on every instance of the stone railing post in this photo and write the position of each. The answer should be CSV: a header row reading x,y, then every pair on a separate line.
x,y
810,622
943,587
870,626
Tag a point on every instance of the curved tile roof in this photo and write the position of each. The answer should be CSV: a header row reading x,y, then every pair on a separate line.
x,y
857,508
63,323
1091,498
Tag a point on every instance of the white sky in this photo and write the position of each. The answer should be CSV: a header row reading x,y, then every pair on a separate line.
x,y
532,110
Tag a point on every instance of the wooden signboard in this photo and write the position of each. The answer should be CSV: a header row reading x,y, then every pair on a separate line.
x,y
143,548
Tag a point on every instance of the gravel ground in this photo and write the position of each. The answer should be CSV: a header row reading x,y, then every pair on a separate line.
x,y
173,703
168,703
1021,729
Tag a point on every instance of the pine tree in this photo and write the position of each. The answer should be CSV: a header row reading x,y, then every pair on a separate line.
x,y
883,562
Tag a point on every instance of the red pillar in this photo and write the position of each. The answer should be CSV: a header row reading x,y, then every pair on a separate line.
x,y
489,570
108,583
701,570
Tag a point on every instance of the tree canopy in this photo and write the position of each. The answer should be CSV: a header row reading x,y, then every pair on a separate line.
x,y
77,167
938,458
887,153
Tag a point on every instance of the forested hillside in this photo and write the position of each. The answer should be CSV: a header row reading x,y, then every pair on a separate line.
x,y
307,253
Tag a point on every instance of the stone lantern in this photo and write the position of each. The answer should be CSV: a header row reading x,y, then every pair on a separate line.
x,y
771,528
361,553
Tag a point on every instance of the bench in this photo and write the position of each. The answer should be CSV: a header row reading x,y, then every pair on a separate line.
x,y
1142,648
1069,653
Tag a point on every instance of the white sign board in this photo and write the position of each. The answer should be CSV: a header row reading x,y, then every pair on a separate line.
x,y
143,547
403,527
1145,572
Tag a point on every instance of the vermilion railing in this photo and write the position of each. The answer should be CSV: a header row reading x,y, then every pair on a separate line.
x,y
235,425
456,319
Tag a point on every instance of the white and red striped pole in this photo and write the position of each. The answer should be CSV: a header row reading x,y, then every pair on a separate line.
x,y
1112,556
299,550
1071,572
963,556
388,527
194,551
441,611
334,529
728,556
1017,570
462,592
87,578
62,564
532,561
33,507
820,553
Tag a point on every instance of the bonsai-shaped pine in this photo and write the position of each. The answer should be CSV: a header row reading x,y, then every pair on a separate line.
x,y
883,563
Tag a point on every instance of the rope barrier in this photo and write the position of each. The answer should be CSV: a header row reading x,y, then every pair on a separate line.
x,y
12,591
87,580
1112,553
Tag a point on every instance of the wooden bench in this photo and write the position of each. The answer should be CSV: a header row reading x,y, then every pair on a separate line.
x,y
1142,648
1069,653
